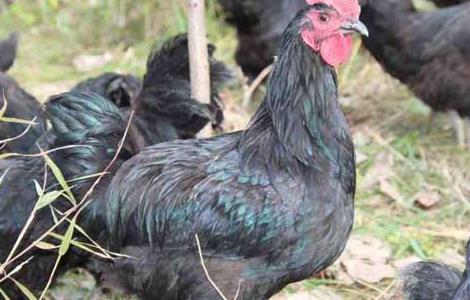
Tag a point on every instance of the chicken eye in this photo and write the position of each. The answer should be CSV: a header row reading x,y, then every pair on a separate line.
x,y
323,18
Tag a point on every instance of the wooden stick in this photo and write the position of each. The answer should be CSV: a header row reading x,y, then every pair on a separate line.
x,y
255,84
198,56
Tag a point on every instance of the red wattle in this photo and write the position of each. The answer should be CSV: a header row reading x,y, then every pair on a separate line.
x,y
336,50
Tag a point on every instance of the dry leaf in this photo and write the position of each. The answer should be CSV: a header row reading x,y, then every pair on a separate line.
x,y
368,271
365,259
427,199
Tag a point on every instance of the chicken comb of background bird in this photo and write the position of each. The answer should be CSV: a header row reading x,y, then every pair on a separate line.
x,y
350,8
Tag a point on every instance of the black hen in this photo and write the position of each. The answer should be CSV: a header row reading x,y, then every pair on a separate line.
x,y
434,281
120,89
164,107
95,122
8,49
260,24
428,51
20,105
271,205
77,119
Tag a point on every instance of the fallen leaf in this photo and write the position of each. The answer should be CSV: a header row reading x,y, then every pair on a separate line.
x,y
368,271
365,259
427,199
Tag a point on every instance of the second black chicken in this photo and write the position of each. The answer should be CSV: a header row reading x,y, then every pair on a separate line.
x,y
427,51
98,125
436,281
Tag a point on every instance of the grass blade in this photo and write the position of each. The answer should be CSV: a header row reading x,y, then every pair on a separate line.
x,y
417,249
4,295
5,105
3,175
65,245
46,199
60,178
45,246
24,289
17,121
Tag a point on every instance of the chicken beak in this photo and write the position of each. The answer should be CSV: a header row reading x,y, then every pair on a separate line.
x,y
355,26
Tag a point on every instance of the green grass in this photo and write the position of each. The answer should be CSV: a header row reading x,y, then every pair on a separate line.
x,y
54,32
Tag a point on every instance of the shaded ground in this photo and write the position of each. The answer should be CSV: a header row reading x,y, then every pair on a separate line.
x,y
412,196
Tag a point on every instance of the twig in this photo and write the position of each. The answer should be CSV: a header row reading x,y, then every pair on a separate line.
x,y
255,84
206,271
198,55
5,141
238,290
370,286
19,239
16,269
49,281
387,289
41,154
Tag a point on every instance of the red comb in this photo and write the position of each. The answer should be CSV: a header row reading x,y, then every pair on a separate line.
x,y
349,8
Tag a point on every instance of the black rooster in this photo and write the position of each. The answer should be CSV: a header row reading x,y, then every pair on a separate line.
x,y
428,51
271,205
23,106
434,281
120,89
260,24
8,48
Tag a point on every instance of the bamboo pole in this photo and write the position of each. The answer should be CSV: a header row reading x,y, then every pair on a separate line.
x,y
198,56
